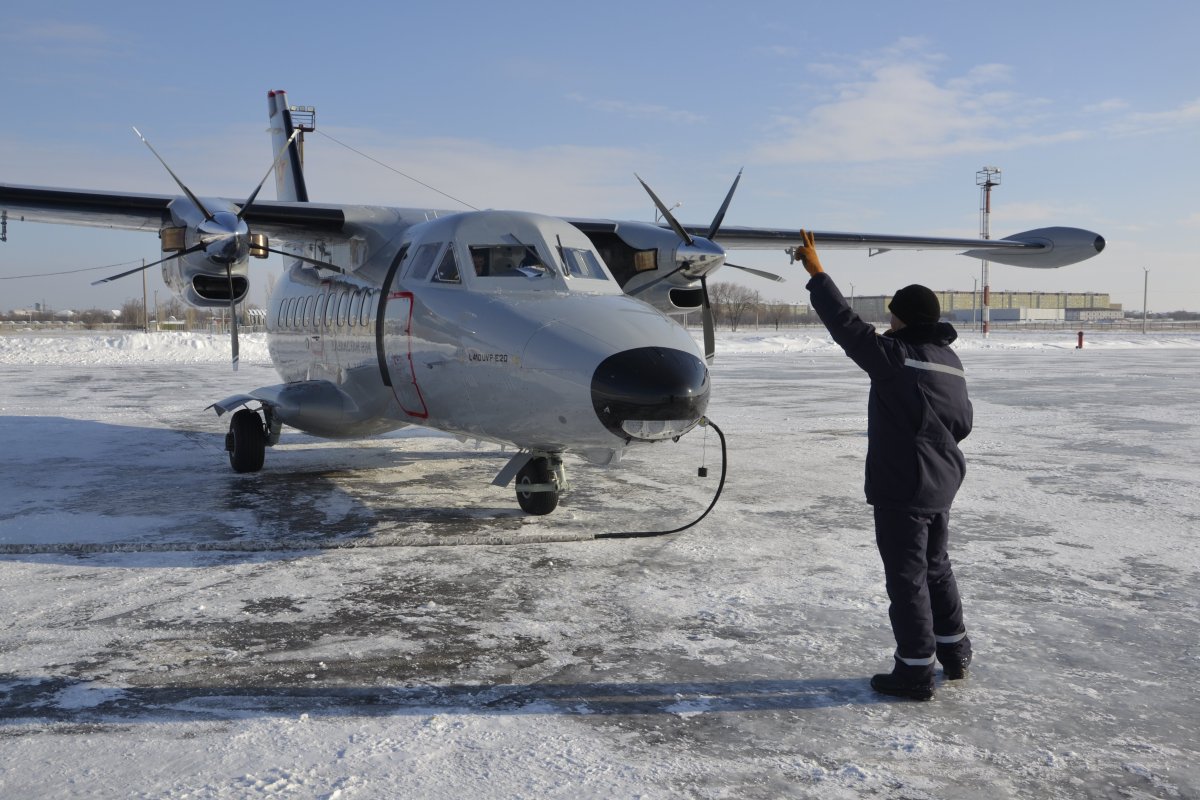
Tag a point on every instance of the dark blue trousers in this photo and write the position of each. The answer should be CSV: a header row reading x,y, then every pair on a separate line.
x,y
920,583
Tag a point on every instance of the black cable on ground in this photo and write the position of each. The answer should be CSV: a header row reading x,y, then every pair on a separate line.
x,y
717,496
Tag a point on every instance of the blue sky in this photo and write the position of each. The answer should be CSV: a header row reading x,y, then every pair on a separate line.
x,y
858,116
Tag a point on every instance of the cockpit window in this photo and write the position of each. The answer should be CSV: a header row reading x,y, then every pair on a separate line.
x,y
508,261
447,271
581,263
423,261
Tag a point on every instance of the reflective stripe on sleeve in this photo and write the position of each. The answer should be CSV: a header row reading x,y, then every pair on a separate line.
x,y
932,367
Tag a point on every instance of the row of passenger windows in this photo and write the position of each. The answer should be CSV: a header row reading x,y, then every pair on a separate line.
x,y
342,308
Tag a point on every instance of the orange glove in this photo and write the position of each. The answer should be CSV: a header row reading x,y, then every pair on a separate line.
x,y
806,254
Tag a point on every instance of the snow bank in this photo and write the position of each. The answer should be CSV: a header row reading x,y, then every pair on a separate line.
x,y
200,348
62,349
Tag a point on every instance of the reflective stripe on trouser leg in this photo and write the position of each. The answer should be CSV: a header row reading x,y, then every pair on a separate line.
x,y
955,639
915,662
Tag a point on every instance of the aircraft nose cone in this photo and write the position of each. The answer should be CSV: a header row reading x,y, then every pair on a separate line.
x,y
650,393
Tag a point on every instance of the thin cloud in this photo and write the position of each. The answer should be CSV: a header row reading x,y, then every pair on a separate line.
x,y
554,179
1109,106
897,108
639,110
63,39
1185,116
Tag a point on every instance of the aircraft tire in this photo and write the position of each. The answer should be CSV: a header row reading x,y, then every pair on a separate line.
x,y
247,442
536,503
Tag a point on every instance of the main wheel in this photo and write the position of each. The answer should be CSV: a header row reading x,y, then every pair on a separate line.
x,y
246,442
536,503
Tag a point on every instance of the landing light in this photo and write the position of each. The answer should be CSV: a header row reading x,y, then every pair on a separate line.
x,y
655,430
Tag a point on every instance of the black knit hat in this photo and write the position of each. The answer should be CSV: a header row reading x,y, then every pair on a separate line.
x,y
916,305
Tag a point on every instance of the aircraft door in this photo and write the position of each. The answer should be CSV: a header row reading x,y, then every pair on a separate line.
x,y
394,334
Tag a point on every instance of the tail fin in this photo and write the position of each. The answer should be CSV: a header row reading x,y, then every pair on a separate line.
x,y
289,172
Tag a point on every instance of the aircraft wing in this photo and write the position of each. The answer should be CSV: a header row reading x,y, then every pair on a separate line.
x,y
1043,248
741,238
286,222
1040,248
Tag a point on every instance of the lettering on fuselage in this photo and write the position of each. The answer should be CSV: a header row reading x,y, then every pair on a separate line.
x,y
477,357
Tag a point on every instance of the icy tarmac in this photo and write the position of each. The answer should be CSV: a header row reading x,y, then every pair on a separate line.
x,y
174,629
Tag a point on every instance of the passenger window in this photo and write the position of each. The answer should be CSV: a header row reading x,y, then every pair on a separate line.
x,y
356,301
343,307
447,271
308,311
319,311
423,261
367,306
330,308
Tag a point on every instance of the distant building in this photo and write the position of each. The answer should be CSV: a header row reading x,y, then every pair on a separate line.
x,y
1006,306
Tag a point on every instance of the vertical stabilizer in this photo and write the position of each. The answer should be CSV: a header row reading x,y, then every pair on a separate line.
x,y
289,174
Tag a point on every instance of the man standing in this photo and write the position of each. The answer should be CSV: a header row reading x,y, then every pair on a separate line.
x,y
917,413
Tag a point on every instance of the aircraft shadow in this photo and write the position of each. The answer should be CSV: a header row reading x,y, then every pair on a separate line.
x,y
82,487
70,700
74,486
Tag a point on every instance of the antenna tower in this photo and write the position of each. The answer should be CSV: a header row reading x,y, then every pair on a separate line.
x,y
985,179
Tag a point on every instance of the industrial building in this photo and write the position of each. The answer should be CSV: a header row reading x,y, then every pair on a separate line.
x,y
1006,306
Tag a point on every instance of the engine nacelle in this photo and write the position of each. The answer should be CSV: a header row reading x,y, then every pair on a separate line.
x,y
198,282
214,245
653,264
672,299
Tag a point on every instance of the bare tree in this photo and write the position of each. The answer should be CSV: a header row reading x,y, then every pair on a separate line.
x,y
133,315
778,312
736,301
718,294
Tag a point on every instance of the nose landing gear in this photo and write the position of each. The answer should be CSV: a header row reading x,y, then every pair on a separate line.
x,y
538,484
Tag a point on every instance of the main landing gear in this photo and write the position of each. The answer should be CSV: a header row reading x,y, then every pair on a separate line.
x,y
246,441
538,484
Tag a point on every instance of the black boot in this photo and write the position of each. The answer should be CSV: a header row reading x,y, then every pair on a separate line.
x,y
955,658
905,680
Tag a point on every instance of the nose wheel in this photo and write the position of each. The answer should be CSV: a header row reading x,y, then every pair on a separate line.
x,y
538,485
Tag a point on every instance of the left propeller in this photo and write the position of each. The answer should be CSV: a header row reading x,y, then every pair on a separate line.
x,y
224,237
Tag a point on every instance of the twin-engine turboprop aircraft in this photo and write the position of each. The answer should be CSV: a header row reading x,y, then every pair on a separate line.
x,y
549,334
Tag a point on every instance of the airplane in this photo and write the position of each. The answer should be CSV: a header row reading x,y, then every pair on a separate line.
x,y
551,335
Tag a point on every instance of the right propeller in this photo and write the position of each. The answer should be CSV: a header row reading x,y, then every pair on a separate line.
x,y
704,249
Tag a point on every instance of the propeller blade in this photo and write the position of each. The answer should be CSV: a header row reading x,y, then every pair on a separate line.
x,y
710,335
307,260
666,212
771,276
233,332
186,190
191,249
250,200
720,217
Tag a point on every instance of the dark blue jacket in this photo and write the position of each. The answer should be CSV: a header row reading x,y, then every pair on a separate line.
x,y
918,410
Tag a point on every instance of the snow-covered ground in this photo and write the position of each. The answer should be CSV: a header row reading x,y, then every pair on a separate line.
x,y
174,629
